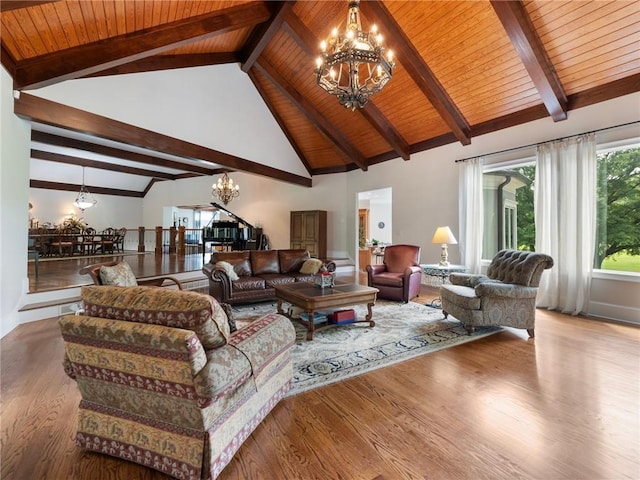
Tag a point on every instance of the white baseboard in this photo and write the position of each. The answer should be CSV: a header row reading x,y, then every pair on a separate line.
x,y
614,312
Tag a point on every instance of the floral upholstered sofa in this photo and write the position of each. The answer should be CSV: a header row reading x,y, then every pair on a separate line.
x,y
165,384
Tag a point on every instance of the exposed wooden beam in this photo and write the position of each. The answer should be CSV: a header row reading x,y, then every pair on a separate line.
x,y
109,53
295,97
305,38
528,45
302,35
375,117
85,162
170,62
262,35
602,93
51,113
7,60
281,122
419,71
6,5
148,187
59,141
71,187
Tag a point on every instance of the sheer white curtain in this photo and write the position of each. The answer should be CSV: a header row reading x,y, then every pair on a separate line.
x,y
471,214
565,217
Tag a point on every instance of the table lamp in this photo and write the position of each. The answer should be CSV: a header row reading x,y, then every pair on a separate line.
x,y
444,236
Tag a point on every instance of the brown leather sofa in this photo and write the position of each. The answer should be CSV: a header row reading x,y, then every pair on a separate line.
x,y
398,278
258,272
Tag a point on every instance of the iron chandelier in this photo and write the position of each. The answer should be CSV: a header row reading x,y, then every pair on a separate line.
x,y
352,65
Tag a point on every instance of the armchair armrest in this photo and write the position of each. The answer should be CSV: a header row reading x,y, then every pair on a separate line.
x,y
510,290
159,282
412,269
466,279
208,269
216,274
376,269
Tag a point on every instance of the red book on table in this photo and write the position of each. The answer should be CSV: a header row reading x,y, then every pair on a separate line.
x,y
343,316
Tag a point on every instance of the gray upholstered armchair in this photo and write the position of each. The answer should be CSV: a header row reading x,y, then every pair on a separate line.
x,y
506,295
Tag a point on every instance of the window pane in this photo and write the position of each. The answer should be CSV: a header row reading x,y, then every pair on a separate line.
x,y
508,210
618,207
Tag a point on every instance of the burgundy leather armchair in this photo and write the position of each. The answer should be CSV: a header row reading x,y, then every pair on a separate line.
x,y
399,276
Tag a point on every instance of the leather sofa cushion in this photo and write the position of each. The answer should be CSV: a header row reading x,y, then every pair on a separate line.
x,y
239,260
292,260
389,279
264,261
249,283
193,311
463,297
273,279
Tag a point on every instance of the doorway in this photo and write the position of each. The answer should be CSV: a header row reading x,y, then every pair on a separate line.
x,y
374,225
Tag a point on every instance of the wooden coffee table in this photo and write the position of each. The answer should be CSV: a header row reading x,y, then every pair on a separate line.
x,y
312,298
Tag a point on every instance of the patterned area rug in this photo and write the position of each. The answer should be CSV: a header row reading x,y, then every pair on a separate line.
x,y
402,331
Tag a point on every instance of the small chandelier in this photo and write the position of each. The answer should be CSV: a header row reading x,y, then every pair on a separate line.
x,y
224,189
84,199
352,66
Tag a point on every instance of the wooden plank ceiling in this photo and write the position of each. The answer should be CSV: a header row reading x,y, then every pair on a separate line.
x,y
464,68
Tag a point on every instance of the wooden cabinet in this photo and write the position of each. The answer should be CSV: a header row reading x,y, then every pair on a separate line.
x,y
364,258
309,231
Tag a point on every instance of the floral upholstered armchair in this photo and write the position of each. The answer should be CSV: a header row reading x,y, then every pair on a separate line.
x,y
163,381
506,295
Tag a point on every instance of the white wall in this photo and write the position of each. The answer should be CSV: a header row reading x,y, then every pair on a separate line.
x,y
15,138
214,106
110,211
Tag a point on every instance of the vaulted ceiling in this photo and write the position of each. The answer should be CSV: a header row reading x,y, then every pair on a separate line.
x,y
464,68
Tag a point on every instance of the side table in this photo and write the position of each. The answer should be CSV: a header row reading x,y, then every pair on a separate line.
x,y
437,275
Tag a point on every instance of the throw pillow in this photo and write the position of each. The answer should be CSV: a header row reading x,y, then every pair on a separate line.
x,y
311,266
228,269
229,311
120,275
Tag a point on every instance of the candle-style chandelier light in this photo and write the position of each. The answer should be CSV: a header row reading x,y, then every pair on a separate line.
x,y
225,190
352,65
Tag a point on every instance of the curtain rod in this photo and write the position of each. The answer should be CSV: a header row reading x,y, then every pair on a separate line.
x,y
554,140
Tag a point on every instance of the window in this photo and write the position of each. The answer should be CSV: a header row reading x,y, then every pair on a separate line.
x,y
618,209
509,191
508,208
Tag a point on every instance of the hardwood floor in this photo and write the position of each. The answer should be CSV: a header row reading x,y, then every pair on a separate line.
x,y
61,273
563,406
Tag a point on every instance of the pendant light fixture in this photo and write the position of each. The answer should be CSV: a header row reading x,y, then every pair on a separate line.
x,y
84,199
